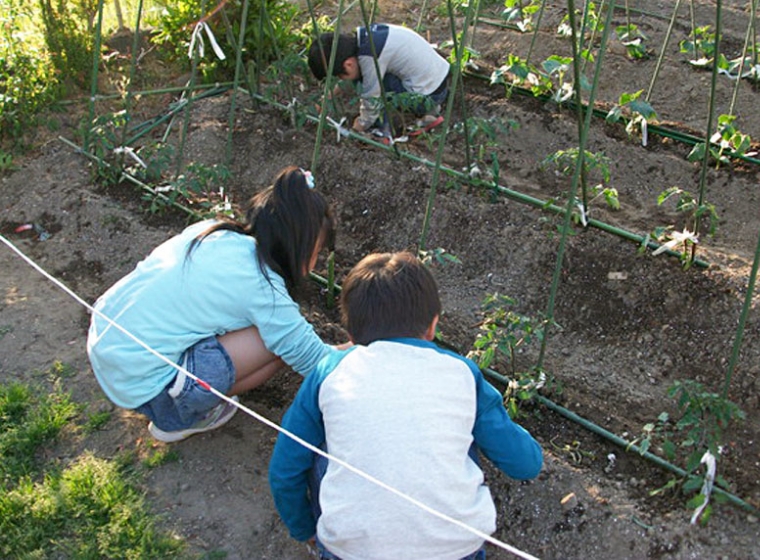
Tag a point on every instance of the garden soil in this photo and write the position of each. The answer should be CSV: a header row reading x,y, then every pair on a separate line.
x,y
629,323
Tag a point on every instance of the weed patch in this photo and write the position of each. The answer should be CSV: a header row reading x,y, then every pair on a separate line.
x,y
91,508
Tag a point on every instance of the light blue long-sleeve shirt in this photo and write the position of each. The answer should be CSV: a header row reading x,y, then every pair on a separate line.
x,y
170,303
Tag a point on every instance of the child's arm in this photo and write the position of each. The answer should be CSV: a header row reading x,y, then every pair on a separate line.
x,y
369,111
370,103
283,328
508,445
291,462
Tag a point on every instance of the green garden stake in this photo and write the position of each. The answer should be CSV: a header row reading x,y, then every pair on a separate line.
x,y
331,280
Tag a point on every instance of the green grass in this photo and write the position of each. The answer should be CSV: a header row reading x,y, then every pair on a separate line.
x,y
160,457
96,421
28,420
87,508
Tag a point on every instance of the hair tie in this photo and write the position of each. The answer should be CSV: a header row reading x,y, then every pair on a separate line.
x,y
309,178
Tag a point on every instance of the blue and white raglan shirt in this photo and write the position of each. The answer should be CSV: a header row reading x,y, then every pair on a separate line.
x,y
405,412
171,302
403,53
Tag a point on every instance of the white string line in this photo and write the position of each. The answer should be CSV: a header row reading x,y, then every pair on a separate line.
x,y
263,419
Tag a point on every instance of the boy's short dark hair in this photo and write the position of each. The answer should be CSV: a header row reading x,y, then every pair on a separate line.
x,y
389,295
319,58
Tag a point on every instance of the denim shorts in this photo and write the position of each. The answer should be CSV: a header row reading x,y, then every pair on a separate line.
x,y
184,402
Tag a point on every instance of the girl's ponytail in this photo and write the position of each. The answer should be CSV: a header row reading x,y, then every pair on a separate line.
x,y
290,220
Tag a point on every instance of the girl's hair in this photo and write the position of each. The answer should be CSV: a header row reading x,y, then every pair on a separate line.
x,y
288,219
319,58
389,295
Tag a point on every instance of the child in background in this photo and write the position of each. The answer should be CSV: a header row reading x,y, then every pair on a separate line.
x,y
407,64
215,299
407,413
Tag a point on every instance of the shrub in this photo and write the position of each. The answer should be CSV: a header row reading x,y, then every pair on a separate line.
x,y
69,35
270,31
28,79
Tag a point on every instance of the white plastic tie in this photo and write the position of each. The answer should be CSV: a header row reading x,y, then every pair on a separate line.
x,y
131,153
339,128
708,459
676,238
582,212
197,38
644,133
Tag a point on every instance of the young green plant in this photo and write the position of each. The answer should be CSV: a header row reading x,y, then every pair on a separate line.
x,y
637,112
593,163
520,14
200,187
726,141
516,72
687,238
633,40
701,47
484,134
701,428
104,136
439,256
504,333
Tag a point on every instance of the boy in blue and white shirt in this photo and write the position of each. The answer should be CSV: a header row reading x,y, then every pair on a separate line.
x,y
402,410
407,64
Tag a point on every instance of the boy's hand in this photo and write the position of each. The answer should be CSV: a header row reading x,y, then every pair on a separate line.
x,y
358,126
339,91
311,547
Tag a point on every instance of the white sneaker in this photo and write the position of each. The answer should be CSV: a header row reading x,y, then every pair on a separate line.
x,y
216,417
428,122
